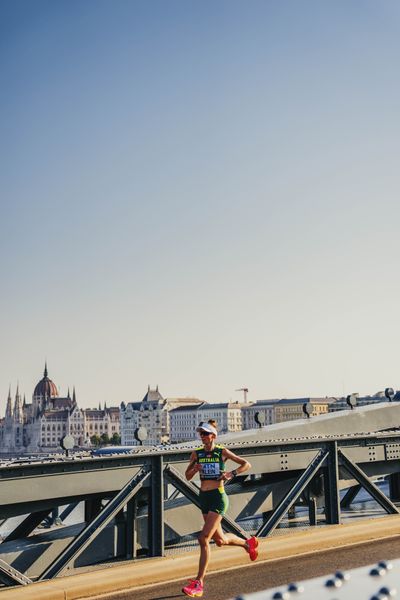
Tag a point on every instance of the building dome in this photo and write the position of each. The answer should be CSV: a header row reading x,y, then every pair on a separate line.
x,y
46,387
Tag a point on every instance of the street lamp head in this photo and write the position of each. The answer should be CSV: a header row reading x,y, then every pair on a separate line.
x,y
352,400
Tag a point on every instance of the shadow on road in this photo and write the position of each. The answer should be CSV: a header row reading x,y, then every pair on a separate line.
x,y
167,597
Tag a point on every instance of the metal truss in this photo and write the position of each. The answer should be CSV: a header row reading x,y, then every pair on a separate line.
x,y
350,495
68,510
331,485
10,576
293,494
156,508
140,507
27,525
355,471
78,545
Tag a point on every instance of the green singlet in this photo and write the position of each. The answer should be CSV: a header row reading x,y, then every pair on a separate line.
x,y
211,461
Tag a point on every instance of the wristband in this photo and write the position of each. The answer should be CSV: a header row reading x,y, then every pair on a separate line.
x,y
234,472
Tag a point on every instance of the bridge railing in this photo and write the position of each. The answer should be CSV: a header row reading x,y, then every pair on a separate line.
x,y
128,496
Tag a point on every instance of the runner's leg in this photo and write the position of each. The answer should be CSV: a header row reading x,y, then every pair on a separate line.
x,y
228,539
211,522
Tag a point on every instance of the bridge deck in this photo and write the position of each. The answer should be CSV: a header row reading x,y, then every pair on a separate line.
x,y
129,576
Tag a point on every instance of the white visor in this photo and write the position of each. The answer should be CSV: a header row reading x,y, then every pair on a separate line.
x,y
207,427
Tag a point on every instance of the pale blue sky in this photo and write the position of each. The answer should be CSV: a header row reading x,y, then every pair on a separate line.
x,y
199,195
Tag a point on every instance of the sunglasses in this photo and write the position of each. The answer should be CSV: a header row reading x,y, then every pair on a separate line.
x,y
203,433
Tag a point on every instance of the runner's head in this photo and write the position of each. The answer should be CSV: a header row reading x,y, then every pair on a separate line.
x,y
207,430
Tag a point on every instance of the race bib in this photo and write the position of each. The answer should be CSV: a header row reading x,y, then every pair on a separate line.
x,y
210,470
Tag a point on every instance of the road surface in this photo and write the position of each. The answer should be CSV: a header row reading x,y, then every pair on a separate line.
x,y
259,576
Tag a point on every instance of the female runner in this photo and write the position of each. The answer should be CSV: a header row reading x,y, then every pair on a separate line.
x,y
209,461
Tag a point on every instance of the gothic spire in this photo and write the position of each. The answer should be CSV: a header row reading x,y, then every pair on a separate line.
x,y
17,413
45,369
9,405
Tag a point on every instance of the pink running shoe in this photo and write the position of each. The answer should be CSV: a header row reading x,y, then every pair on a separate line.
x,y
194,589
252,545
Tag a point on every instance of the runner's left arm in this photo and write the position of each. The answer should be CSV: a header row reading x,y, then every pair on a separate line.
x,y
244,465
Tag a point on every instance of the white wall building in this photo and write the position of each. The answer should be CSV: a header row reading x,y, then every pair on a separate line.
x,y
129,422
153,414
184,420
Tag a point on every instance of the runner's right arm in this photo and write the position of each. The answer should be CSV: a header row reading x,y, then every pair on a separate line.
x,y
193,467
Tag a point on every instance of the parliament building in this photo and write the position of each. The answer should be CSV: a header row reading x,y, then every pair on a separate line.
x,y
39,426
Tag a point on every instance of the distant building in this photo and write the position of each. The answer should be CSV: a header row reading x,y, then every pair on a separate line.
x,y
12,434
129,422
235,416
265,408
149,414
292,409
227,414
40,425
341,403
187,403
184,420
102,422
153,414
285,409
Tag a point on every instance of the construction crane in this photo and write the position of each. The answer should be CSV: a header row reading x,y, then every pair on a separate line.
x,y
245,391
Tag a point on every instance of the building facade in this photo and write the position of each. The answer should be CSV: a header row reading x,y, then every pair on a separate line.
x,y
291,409
183,422
341,403
265,408
185,419
39,426
152,414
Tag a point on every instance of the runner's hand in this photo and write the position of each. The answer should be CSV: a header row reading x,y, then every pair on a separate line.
x,y
227,476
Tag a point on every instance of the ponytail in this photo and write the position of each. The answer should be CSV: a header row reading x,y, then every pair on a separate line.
x,y
214,423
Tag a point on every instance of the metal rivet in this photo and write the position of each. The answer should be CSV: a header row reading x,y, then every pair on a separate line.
x,y
377,571
342,576
385,565
388,591
333,583
295,587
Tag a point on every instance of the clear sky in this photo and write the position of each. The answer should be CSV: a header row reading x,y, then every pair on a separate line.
x,y
202,195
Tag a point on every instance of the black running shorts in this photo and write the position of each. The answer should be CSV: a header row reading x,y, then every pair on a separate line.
x,y
214,500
